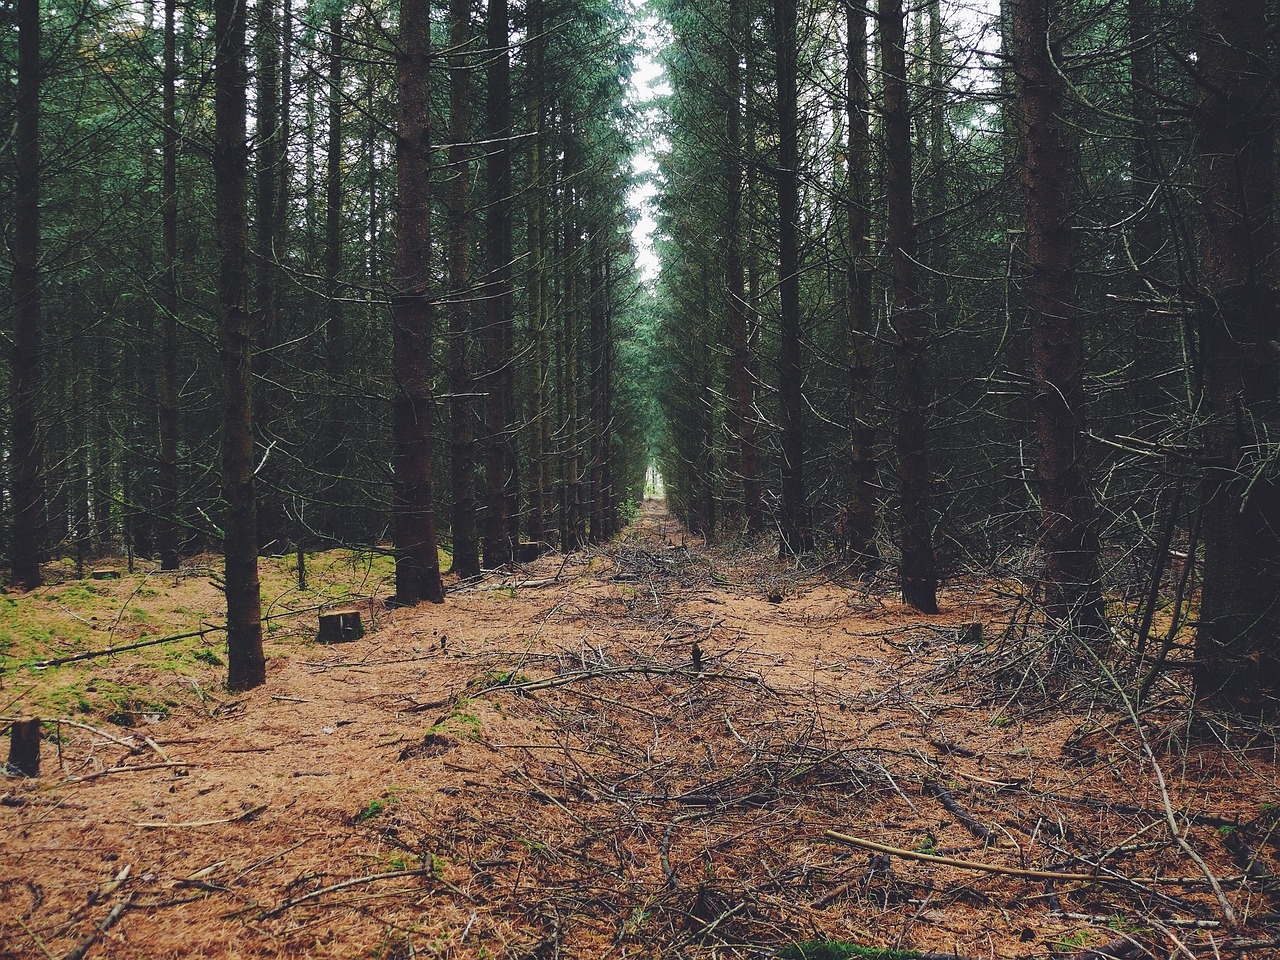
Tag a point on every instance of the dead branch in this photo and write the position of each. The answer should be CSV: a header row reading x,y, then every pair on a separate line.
x,y
355,881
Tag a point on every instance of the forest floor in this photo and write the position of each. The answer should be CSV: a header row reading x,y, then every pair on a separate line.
x,y
543,767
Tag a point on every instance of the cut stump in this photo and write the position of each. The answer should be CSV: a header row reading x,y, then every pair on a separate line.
x,y
340,626
24,747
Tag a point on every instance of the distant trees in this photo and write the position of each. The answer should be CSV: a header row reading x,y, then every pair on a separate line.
x,y
864,334
949,318
155,356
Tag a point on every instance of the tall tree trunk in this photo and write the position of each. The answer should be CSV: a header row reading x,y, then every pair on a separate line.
x,y
246,665
539,310
169,532
500,461
797,536
271,521
741,387
413,508
1142,396
333,461
595,384
466,549
572,535
1069,526
752,496
1237,645
916,574
858,534
26,483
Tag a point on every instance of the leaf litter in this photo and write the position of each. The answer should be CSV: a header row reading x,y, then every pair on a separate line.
x,y
656,748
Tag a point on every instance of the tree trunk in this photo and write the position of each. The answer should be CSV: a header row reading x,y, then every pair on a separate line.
x,y
1069,526
26,484
413,507
1237,650
168,530
595,381
739,389
797,536
333,460
752,496
857,538
246,665
466,550
539,307
268,153
500,461
916,574
572,534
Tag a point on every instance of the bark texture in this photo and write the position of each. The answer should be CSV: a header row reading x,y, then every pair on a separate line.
x,y
1069,524
857,536
26,489
1239,320
246,665
797,533
466,548
916,574
413,504
501,469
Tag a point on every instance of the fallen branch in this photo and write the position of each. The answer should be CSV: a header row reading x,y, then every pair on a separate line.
x,y
134,769
157,641
568,678
1008,871
952,806
334,888
108,651
160,824
79,951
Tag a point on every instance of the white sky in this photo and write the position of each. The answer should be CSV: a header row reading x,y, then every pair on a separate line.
x,y
646,81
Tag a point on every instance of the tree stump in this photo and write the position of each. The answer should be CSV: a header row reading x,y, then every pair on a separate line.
x,y
528,550
24,747
340,626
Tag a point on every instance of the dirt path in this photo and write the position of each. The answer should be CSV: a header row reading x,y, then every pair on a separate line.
x,y
637,752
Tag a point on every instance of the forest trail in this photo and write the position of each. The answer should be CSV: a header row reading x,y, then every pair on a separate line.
x,y
543,767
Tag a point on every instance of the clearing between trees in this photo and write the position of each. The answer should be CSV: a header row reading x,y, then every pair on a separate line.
x,y
655,748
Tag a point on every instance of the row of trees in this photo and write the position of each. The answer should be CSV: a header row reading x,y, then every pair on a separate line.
x,y
964,282
278,267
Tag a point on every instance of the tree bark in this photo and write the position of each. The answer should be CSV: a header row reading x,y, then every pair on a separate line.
x,y
1237,646
268,153
501,478
168,530
26,483
413,507
797,535
859,519
466,549
1069,524
333,459
917,575
739,389
246,665
540,513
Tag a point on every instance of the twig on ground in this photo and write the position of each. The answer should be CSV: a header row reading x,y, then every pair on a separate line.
x,y
345,884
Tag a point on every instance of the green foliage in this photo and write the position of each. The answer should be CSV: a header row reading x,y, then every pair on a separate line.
x,y
377,807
